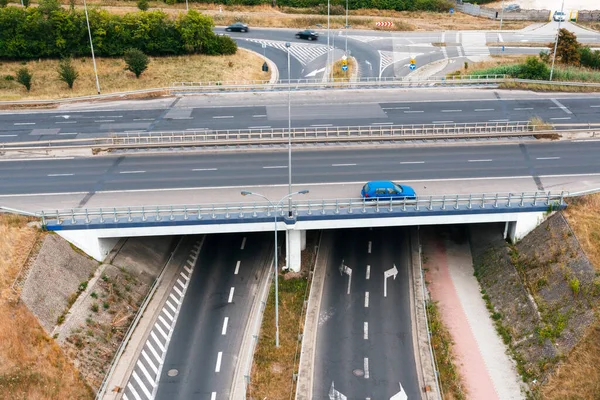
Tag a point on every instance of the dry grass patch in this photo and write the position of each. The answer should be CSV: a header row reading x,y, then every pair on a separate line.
x,y
161,72
344,76
590,25
541,87
32,366
583,215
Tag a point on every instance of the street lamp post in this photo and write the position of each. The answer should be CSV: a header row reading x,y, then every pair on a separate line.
x,y
276,256
328,49
87,19
556,40
346,27
501,14
287,45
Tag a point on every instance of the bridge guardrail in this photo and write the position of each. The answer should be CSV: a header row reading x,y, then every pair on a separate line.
x,y
301,209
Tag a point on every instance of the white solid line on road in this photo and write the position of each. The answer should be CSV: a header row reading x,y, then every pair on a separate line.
x,y
548,158
396,108
218,366
231,295
275,166
366,368
213,396
343,165
562,118
68,133
498,120
66,122
442,122
204,169
412,162
224,330
366,331
382,123
561,106
410,112
259,115
24,123
488,160
368,272
36,159
317,125
243,243
522,108
259,127
484,109
60,174
9,135
132,172
143,119
104,120
451,110
366,299
595,106
369,247
237,268
223,116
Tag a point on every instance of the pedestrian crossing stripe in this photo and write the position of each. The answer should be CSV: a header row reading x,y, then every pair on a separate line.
x,y
303,52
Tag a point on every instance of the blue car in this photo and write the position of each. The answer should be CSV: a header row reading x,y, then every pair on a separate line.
x,y
386,190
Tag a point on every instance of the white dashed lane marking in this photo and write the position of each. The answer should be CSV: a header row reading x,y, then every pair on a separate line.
x,y
225,322
231,295
218,366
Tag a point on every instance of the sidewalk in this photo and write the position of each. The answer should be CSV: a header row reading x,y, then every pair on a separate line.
x,y
480,355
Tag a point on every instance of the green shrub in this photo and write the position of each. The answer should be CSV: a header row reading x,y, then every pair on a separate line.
x,y
24,78
534,68
574,285
220,45
48,6
3,3
137,62
143,5
589,58
68,74
94,307
25,3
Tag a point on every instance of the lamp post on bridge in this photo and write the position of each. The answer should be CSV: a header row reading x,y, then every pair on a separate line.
x,y
276,256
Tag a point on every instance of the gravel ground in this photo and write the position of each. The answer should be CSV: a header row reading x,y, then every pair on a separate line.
x,y
55,276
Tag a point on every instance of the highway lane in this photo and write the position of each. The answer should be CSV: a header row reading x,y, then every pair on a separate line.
x,y
364,340
176,170
206,340
347,111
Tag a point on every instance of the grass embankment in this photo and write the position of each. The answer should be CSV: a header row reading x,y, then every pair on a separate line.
x,y
273,367
590,25
578,376
161,72
302,18
32,365
441,342
344,76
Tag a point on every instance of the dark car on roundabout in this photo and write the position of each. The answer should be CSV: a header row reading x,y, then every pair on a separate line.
x,y
237,27
308,35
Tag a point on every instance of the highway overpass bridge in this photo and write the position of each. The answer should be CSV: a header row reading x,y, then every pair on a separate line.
x,y
96,231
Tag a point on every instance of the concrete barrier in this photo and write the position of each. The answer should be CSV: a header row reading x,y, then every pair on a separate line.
x,y
496,13
588,16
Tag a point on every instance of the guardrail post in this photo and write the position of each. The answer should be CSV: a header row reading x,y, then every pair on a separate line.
x,y
483,201
391,203
456,205
509,198
43,219
171,217
254,215
101,217
213,212
115,214
377,204
522,199
350,207
337,206
185,213
534,198
417,204
430,203
444,202
496,201
470,201
58,217
241,215
309,212
404,204
364,203
548,199
199,213
87,218
226,211
562,198
323,208
158,217
73,221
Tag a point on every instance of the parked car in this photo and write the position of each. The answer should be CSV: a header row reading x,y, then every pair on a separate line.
x,y
237,27
559,16
386,190
308,35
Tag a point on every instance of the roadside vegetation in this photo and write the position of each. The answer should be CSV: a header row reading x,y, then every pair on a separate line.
x,y
344,76
47,83
33,365
273,368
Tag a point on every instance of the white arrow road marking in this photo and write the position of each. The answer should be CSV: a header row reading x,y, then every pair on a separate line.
x,y
314,73
401,395
335,395
344,269
386,274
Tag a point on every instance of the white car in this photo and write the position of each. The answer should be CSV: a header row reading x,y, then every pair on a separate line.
x,y
559,16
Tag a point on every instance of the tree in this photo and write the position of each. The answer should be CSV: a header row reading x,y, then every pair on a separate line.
x,y
49,6
567,50
137,62
25,3
195,30
24,77
3,3
67,72
143,5
534,68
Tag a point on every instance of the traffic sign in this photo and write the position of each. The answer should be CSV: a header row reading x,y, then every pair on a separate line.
x,y
413,67
452,11
344,68
413,61
264,45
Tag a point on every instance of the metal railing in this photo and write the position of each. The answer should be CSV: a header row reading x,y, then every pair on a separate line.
x,y
301,209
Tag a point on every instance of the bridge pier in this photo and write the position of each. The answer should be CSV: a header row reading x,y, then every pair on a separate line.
x,y
525,223
295,243
89,242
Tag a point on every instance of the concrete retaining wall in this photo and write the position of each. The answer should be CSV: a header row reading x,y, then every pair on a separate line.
x,y
587,16
495,13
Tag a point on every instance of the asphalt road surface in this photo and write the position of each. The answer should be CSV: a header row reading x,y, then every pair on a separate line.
x,y
351,110
206,341
245,169
364,340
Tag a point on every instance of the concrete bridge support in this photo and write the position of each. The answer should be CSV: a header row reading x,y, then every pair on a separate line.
x,y
90,243
525,223
296,242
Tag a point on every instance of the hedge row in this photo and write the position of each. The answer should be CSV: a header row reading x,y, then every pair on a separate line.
x,y
30,33
398,5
